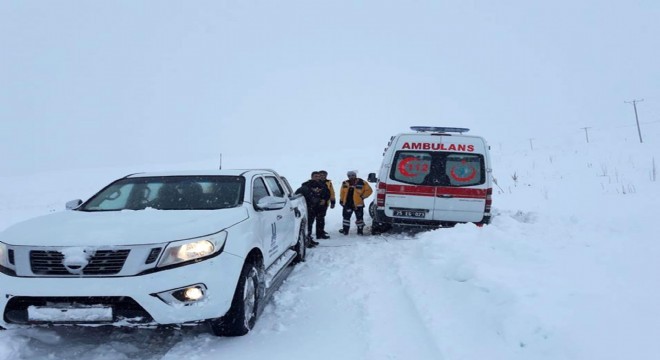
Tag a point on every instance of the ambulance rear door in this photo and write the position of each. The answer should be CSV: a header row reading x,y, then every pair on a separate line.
x,y
461,196
407,195
461,176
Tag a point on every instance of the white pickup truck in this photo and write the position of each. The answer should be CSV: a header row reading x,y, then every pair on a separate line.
x,y
152,249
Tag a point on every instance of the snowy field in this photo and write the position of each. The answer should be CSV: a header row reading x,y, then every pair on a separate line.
x,y
567,270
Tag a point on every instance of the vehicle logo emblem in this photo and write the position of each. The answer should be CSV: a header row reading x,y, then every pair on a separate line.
x,y
76,259
463,172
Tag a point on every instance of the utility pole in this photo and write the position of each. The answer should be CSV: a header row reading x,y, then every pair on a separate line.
x,y
586,133
634,103
531,146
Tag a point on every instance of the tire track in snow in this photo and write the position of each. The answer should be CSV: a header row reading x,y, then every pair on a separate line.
x,y
396,329
93,342
469,314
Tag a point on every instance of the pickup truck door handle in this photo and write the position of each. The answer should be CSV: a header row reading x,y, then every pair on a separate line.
x,y
445,196
279,217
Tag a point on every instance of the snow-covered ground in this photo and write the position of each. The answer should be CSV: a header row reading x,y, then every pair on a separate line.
x,y
567,270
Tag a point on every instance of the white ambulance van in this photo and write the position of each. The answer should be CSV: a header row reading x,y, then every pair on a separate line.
x,y
432,177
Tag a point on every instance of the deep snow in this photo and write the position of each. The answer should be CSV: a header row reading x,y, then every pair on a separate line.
x,y
567,270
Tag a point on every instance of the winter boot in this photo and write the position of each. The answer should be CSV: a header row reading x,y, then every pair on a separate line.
x,y
359,231
311,243
344,230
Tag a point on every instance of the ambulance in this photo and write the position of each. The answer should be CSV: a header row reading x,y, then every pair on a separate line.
x,y
430,178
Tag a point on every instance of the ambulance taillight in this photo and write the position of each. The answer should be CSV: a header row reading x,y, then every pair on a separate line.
x,y
381,190
489,200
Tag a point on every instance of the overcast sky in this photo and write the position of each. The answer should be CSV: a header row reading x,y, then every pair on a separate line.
x,y
87,83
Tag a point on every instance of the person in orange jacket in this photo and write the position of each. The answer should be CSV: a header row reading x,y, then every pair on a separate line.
x,y
351,198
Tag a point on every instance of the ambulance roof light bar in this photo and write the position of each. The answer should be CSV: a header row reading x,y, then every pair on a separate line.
x,y
438,129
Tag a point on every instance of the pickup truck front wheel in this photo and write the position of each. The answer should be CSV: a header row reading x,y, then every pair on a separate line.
x,y
242,315
301,245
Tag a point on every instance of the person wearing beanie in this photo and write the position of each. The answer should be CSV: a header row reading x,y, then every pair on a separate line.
x,y
351,197
316,196
323,211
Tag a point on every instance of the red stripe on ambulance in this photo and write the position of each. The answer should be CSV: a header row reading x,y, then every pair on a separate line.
x,y
431,191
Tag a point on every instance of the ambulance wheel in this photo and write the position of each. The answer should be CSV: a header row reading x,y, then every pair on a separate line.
x,y
484,221
372,209
379,228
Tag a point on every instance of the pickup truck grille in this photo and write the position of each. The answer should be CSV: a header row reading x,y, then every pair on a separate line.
x,y
103,262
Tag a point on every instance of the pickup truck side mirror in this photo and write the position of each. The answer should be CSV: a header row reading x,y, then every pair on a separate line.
x,y
372,178
73,204
271,203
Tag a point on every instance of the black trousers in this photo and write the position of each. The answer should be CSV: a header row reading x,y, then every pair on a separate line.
x,y
316,214
320,219
359,216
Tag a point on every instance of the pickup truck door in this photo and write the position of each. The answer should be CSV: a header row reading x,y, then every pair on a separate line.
x,y
266,223
285,218
275,226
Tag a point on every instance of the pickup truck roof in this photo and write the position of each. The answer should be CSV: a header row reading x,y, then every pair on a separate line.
x,y
227,172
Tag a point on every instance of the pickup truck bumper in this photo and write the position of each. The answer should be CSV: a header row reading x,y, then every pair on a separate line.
x,y
134,300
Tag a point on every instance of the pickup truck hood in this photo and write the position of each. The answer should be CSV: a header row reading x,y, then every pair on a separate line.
x,y
127,227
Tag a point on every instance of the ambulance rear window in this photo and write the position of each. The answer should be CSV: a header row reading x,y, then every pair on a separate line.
x,y
465,169
412,167
438,168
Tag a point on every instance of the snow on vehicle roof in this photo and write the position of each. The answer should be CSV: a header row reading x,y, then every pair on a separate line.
x,y
211,172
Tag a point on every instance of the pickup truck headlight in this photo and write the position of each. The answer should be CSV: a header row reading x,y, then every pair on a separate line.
x,y
4,257
187,250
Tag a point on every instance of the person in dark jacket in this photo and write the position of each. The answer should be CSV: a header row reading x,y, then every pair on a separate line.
x,y
331,203
316,195
351,198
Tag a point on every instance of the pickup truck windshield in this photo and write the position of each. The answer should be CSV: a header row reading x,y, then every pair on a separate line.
x,y
169,193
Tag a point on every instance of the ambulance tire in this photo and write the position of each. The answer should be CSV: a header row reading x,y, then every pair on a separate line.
x,y
379,228
484,221
372,209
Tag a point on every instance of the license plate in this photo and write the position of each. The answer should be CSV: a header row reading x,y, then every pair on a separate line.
x,y
410,213
64,313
